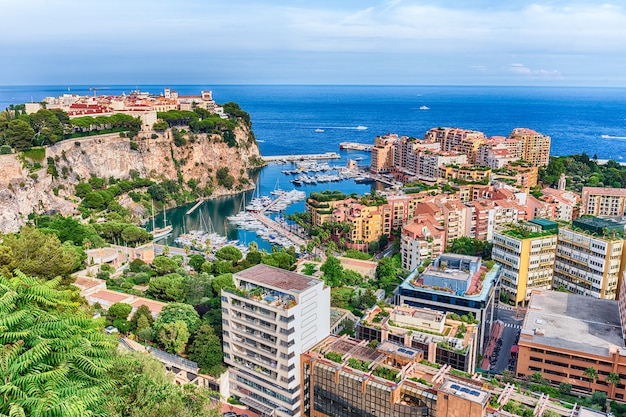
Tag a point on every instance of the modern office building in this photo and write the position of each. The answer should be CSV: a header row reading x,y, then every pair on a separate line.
x,y
458,284
565,334
603,201
590,257
270,318
526,255
443,340
343,377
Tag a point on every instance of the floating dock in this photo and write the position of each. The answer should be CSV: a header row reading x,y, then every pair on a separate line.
x,y
354,146
303,157
191,210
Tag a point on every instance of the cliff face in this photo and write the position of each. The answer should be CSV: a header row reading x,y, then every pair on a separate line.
x,y
105,156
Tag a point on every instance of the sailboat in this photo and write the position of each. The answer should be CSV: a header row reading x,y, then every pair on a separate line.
x,y
160,232
277,191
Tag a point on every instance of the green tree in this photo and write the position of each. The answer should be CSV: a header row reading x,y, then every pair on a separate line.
x,y
53,358
178,312
206,350
19,134
164,265
142,311
229,253
173,336
333,272
613,379
141,387
565,388
170,287
160,126
282,260
196,261
37,253
592,374
224,281
119,311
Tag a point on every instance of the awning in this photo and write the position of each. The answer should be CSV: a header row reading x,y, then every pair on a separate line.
x,y
265,410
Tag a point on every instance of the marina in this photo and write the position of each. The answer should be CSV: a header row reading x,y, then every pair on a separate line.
x,y
301,157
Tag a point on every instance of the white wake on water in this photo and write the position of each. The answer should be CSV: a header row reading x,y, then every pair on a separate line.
x,y
612,137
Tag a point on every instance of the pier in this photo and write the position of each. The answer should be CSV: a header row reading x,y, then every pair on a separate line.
x,y
354,146
195,206
271,224
302,157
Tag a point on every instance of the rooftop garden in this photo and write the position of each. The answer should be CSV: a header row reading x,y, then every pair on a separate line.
x,y
387,373
522,232
359,365
333,356
324,196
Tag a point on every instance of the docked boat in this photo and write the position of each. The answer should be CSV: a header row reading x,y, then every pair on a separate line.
x,y
160,232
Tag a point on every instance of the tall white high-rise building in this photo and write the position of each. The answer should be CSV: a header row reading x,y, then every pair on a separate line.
x,y
270,318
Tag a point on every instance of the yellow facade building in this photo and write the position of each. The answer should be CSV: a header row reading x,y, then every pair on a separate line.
x,y
526,255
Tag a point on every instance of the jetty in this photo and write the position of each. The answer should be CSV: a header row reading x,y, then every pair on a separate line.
x,y
195,206
355,146
271,224
302,157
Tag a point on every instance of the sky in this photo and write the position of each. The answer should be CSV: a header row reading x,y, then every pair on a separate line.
x,y
394,42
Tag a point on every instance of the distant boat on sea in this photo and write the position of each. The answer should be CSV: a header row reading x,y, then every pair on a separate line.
x,y
359,127
319,130
424,108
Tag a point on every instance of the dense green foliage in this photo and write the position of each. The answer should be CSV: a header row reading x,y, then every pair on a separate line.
x,y
54,360
580,170
469,246
38,253
45,127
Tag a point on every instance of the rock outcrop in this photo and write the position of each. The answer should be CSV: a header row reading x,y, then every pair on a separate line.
x,y
23,191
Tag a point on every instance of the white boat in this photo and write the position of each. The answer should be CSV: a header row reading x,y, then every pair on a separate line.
x,y
359,127
160,232
424,108
319,130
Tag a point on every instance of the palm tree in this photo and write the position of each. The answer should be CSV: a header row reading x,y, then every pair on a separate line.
x,y
613,379
53,358
592,374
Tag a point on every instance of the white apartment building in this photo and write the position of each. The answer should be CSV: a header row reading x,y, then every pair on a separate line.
x,y
588,262
270,318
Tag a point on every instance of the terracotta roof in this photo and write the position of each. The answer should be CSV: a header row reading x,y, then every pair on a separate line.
x,y
155,307
111,296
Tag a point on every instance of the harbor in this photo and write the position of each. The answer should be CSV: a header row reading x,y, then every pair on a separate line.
x,y
270,181
302,157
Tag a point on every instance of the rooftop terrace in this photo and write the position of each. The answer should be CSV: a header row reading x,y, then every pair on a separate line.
x,y
277,278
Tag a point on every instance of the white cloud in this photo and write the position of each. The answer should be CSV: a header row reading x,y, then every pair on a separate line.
x,y
520,69
422,35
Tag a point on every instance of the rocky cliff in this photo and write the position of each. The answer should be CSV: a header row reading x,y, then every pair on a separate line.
x,y
24,190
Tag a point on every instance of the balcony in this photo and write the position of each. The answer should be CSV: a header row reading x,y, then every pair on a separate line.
x,y
272,298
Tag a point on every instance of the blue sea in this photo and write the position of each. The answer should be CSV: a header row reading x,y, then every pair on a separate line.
x,y
286,120
285,117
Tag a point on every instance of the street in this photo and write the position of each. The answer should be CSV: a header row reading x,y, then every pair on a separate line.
x,y
512,320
